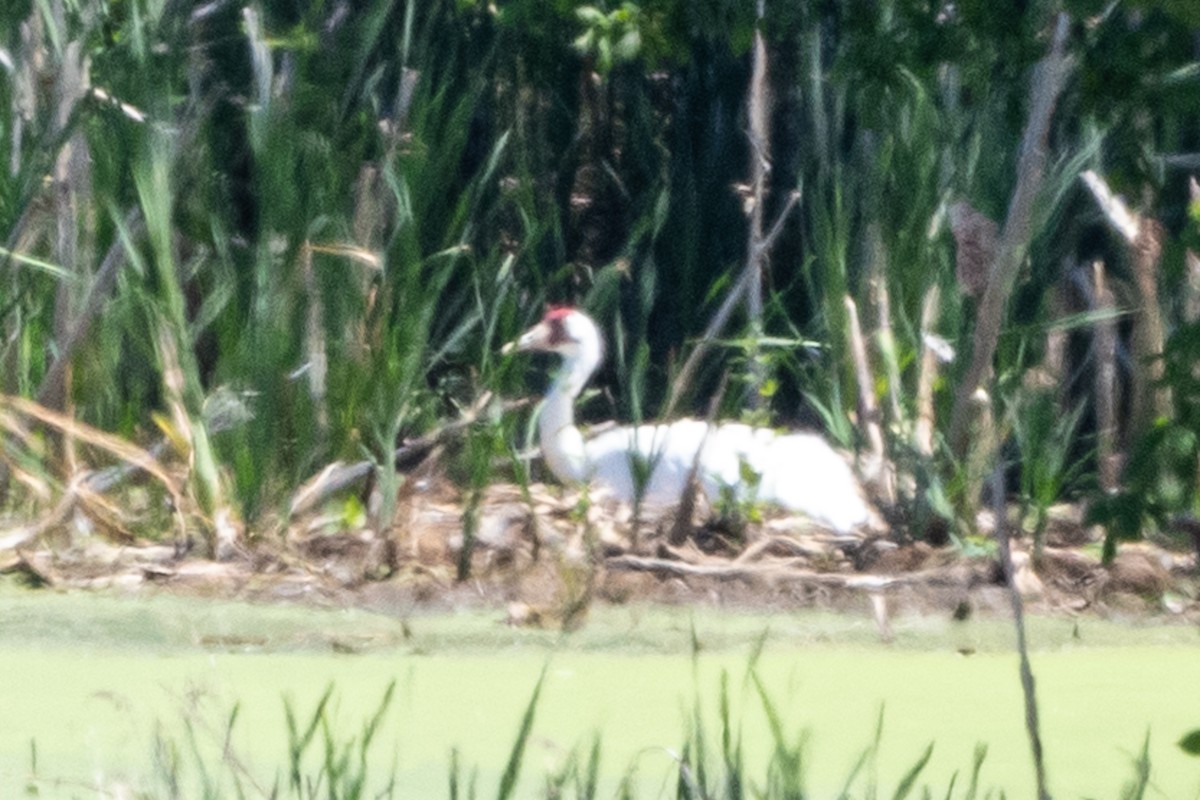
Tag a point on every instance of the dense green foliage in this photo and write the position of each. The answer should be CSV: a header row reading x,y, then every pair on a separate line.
x,y
341,211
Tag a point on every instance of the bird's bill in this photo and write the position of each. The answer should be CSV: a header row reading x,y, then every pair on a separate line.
x,y
536,338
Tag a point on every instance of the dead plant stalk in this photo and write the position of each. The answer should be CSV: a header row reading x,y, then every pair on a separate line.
x,y
1028,689
1105,355
878,471
1143,236
759,242
1049,77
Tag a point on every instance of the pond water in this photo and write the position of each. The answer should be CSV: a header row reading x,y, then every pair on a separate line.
x,y
91,679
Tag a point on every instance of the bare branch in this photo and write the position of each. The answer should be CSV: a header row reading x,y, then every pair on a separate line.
x,y
715,326
14,539
787,571
768,241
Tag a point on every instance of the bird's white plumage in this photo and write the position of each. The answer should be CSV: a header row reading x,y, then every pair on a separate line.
x,y
796,471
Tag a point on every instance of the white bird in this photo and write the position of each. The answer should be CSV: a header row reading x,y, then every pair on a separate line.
x,y
799,472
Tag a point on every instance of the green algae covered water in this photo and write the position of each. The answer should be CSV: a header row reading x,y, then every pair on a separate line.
x,y
90,681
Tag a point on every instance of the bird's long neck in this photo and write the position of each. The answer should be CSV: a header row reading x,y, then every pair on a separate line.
x,y
562,442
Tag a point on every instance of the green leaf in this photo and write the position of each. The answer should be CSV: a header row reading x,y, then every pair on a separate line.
x,y
1190,743
37,263
604,60
910,778
628,46
747,473
354,513
512,770
590,15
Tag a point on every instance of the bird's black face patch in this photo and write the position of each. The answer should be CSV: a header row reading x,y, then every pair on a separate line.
x,y
556,322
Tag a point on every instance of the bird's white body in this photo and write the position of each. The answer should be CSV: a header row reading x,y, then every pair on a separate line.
x,y
799,472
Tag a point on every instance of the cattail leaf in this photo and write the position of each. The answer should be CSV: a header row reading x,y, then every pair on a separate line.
x,y
628,46
590,15
37,263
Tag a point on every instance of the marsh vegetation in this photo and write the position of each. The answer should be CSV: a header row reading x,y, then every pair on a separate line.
x,y
258,263
244,243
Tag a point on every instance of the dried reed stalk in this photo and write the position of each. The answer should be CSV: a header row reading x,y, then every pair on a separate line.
x,y
749,285
877,471
788,570
923,430
1048,80
760,166
1150,398
1191,306
52,391
681,527
885,336
1105,377
314,342
115,446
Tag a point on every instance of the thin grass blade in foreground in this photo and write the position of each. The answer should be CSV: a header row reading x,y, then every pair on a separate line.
x,y
909,781
1032,726
867,760
1136,788
785,776
299,741
512,770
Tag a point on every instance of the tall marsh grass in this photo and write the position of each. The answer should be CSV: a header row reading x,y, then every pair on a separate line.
x,y
338,212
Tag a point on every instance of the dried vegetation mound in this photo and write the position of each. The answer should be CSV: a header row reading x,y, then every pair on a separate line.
x,y
545,556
